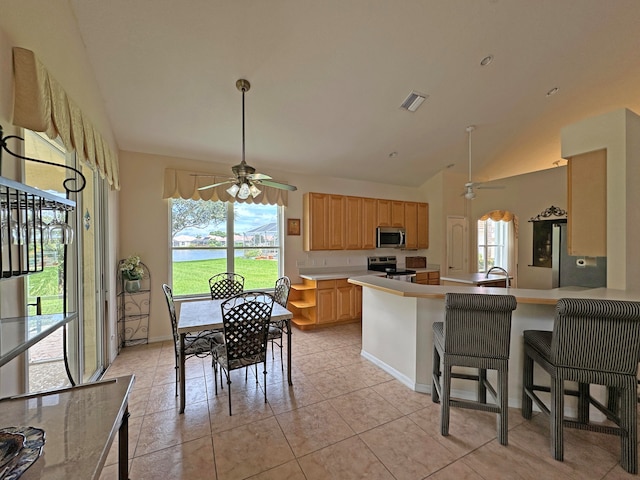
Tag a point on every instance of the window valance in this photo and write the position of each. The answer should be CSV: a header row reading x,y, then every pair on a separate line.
x,y
185,184
42,105
497,215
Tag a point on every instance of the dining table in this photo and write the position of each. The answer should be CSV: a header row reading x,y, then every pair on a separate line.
x,y
200,315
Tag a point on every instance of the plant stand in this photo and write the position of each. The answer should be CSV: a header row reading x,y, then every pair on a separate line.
x,y
134,301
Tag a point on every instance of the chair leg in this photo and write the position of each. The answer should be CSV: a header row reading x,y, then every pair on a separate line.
x,y
583,402
177,379
264,374
229,387
628,421
444,401
215,377
503,416
527,384
435,377
557,418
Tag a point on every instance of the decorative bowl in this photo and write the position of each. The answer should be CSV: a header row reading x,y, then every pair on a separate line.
x,y
10,446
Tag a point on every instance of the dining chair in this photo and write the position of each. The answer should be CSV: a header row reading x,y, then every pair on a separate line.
x,y
592,342
198,344
245,320
476,333
225,285
281,296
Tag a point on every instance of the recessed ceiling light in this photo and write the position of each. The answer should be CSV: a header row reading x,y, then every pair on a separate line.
x,y
553,91
413,101
486,60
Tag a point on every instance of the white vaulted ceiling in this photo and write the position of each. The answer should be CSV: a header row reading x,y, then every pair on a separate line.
x,y
328,77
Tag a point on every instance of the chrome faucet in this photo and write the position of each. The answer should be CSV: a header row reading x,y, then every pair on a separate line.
x,y
506,274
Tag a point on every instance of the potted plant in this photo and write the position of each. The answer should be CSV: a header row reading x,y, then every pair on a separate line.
x,y
132,273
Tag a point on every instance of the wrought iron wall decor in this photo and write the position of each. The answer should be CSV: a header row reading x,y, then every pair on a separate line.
x,y
23,231
549,212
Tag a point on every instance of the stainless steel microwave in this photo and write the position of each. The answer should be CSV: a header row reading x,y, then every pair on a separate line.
x,y
390,237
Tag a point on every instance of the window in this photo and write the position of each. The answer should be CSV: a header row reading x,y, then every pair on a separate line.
x,y
213,237
493,244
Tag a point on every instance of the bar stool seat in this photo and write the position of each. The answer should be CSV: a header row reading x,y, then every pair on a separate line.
x,y
476,333
593,342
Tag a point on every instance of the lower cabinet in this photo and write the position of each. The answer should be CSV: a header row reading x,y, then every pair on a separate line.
x,y
324,302
428,278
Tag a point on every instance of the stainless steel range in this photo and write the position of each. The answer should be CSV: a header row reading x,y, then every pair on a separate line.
x,y
389,265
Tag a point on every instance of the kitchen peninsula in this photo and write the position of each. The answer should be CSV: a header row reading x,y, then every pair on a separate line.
x,y
397,319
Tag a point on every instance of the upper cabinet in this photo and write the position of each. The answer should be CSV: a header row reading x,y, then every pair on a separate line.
x,y
323,221
587,204
340,222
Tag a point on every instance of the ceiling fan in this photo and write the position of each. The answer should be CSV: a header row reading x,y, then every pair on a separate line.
x,y
469,193
245,180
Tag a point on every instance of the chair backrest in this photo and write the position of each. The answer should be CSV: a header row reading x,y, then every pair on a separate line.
x,y
281,291
172,311
596,335
245,319
226,285
478,325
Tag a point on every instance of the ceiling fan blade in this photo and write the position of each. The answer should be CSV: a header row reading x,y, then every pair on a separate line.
x,y
232,180
258,176
283,186
491,187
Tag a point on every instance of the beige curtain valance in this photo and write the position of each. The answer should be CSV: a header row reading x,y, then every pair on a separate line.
x,y
185,184
497,215
42,105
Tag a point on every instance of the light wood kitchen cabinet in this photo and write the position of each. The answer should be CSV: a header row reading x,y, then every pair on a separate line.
x,y
345,300
397,213
353,226
416,224
342,222
326,301
369,223
411,224
323,222
384,213
428,278
423,225
587,204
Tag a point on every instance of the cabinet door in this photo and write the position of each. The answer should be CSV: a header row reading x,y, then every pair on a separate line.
x,y
411,224
326,301
423,225
369,222
345,301
397,214
336,222
357,289
384,213
422,278
353,225
587,204
315,221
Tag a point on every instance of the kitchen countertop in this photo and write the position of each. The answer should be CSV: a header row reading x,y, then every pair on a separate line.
x,y
335,274
473,278
523,295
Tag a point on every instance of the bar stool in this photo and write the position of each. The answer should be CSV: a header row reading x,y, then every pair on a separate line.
x,y
593,342
476,333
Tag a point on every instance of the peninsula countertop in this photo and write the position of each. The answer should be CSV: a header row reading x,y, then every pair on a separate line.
x,y
346,273
474,278
523,295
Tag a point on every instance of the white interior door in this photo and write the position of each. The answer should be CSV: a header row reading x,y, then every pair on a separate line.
x,y
457,245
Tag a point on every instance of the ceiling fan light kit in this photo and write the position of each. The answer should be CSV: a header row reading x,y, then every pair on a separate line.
x,y
245,179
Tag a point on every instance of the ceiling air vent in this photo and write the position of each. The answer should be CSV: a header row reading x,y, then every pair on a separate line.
x,y
413,101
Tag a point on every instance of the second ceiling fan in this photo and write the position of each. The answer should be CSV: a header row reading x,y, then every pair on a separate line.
x,y
469,193
245,180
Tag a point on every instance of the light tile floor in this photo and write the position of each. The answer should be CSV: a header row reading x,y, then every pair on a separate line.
x,y
343,418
